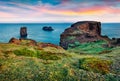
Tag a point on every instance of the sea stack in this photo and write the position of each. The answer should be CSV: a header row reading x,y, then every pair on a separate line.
x,y
23,32
81,32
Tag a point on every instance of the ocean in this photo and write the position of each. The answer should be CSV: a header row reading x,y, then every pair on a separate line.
x,y
35,32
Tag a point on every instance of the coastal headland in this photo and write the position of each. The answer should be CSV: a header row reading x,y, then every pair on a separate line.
x,y
83,55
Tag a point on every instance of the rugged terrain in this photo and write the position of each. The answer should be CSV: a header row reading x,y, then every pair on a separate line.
x,y
89,57
47,62
85,32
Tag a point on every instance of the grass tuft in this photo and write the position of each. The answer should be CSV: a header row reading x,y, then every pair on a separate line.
x,y
26,52
95,65
49,56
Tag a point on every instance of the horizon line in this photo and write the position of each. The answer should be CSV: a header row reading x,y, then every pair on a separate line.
x,y
59,22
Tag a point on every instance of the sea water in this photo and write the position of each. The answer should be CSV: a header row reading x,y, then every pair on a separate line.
x,y
35,32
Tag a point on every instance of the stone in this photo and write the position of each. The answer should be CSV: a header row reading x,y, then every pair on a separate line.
x,y
14,41
115,41
23,32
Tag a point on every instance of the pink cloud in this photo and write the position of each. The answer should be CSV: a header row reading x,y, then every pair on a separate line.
x,y
67,10
6,15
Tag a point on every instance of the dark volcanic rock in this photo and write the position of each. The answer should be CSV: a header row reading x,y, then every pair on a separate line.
x,y
47,28
115,42
23,32
85,31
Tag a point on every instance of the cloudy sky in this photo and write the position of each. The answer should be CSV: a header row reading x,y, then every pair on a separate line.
x,y
59,10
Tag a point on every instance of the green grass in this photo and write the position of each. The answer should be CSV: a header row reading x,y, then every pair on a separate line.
x,y
96,65
49,56
27,63
89,48
26,52
47,53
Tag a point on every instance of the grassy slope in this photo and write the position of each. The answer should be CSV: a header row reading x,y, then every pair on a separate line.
x,y
91,48
26,63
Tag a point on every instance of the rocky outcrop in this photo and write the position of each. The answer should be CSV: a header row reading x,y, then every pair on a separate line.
x,y
47,28
14,40
114,42
85,31
21,41
23,32
30,42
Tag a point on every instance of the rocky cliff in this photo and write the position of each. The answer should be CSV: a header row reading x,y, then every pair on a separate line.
x,y
85,31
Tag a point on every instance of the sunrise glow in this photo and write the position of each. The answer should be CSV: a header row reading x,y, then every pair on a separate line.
x,y
58,11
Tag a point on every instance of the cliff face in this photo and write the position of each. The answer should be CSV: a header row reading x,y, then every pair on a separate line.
x,y
85,31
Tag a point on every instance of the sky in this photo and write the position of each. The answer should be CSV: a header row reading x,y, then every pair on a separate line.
x,y
39,11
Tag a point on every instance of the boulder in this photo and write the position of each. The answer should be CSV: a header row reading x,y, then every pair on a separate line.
x,y
23,32
14,41
80,32
47,28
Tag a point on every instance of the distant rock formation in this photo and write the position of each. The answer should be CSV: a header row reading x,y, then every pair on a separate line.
x,y
85,31
47,28
23,32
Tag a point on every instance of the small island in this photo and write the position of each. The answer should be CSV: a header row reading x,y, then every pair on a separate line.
x,y
47,28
